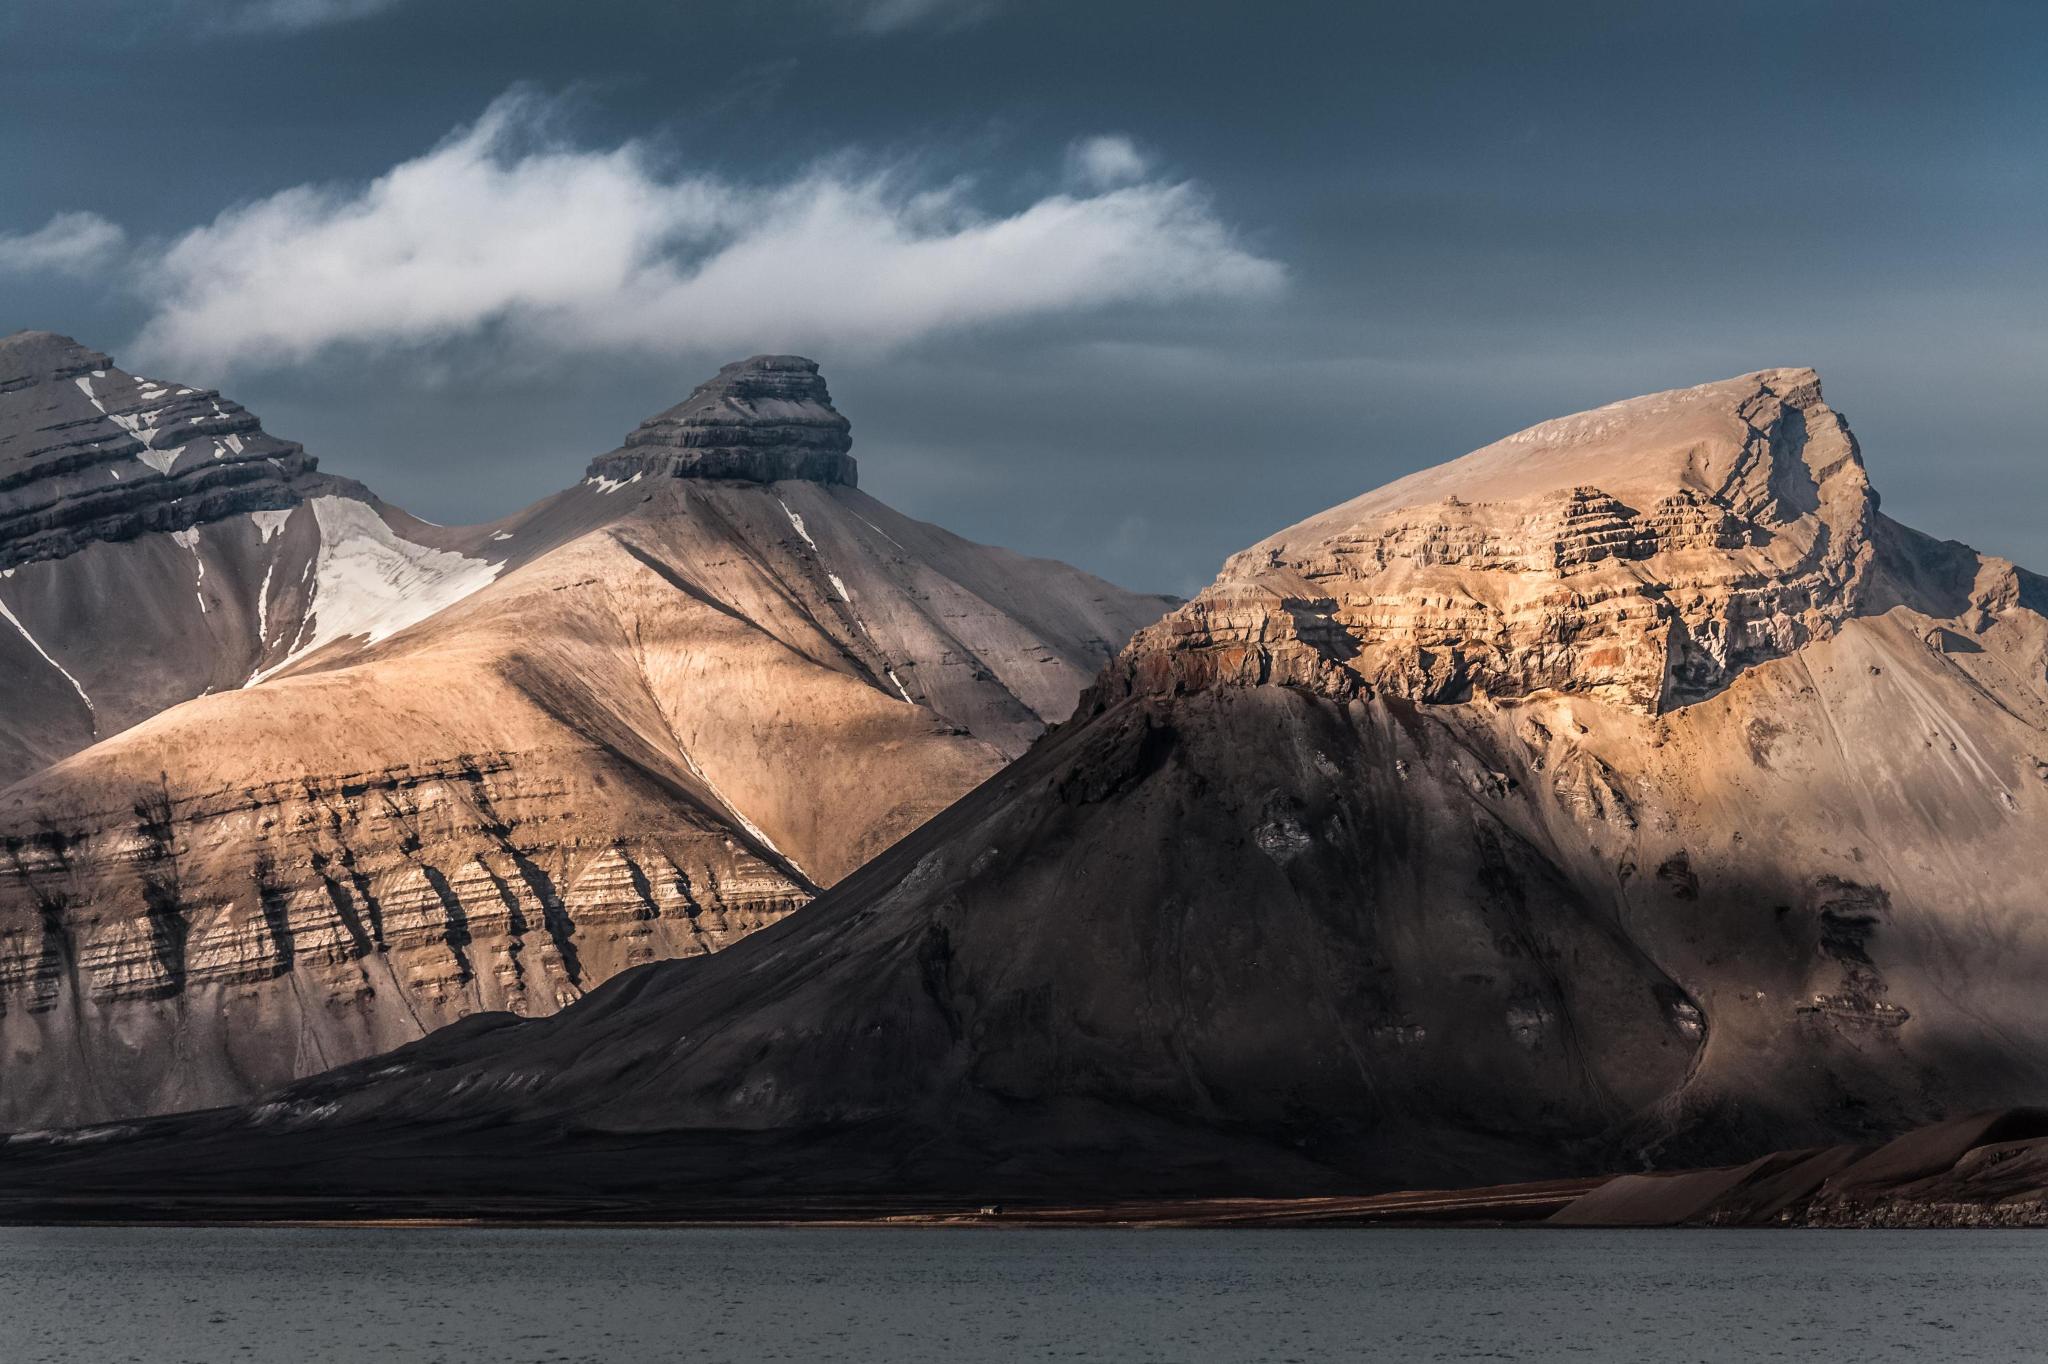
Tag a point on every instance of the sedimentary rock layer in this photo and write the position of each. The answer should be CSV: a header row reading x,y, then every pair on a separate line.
x,y
89,453
485,768
760,420
1654,803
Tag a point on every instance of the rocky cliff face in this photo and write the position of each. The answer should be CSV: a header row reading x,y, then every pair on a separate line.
x,y
486,768
89,453
1644,554
156,545
1655,802
760,420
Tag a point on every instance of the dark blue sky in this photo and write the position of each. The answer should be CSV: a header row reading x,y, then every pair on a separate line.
x,y
1406,230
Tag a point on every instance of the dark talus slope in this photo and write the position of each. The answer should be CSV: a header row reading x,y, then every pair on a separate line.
x,y
668,709
1631,793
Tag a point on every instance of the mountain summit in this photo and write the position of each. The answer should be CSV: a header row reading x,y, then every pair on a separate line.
x,y
1630,793
1644,553
761,420
397,774
91,453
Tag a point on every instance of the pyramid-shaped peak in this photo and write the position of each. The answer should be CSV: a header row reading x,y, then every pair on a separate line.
x,y
761,419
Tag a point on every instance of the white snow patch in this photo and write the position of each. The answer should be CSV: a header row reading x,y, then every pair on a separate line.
x,y
502,535
840,588
115,472
899,685
159,460
269,523
189,538
137,425
15,621
369,583
263,606
234,443
612,485
796,521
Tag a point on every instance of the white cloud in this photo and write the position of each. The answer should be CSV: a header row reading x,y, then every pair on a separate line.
x,y
292,16
565,249
69,244
1108,160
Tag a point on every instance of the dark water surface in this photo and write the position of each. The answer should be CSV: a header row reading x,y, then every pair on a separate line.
x,y
166,1296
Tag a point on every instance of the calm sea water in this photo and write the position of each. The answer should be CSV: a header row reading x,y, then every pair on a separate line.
x,y
209,1296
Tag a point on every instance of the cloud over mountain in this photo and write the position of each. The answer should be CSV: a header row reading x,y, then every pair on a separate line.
x,y
69,244
507,229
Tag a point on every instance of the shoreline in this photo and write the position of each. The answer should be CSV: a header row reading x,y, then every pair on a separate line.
x,y
1505,1205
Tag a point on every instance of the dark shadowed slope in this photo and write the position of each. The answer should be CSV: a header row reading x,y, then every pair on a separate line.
x,y
1629,794
488,768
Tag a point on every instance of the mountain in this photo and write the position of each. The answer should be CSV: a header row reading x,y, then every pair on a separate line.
x,y
1631,793
141,555
430,772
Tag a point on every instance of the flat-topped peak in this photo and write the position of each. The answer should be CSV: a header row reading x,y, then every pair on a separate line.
x,y
761,419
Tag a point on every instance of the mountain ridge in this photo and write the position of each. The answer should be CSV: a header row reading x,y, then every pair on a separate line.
x,y
1345,878
486,767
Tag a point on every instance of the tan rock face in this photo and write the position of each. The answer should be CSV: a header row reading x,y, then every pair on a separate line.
x,y
1655,803
487,768
1644,554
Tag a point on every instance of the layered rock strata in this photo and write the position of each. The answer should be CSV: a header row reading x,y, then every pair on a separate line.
x,y
90,453
760,420
486,768
1417,852
1644,554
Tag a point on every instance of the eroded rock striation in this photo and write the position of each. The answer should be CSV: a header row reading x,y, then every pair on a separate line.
x,y
157,545
760,420
1629,794
459,770
1645,554
90,453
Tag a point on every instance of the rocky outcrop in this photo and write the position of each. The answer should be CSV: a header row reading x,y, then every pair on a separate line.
x,y
90,453
447,771
760,420
1644,554
157,545
1412,854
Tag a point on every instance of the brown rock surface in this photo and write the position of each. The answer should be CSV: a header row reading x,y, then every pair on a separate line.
x,y
486,768
1654,803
